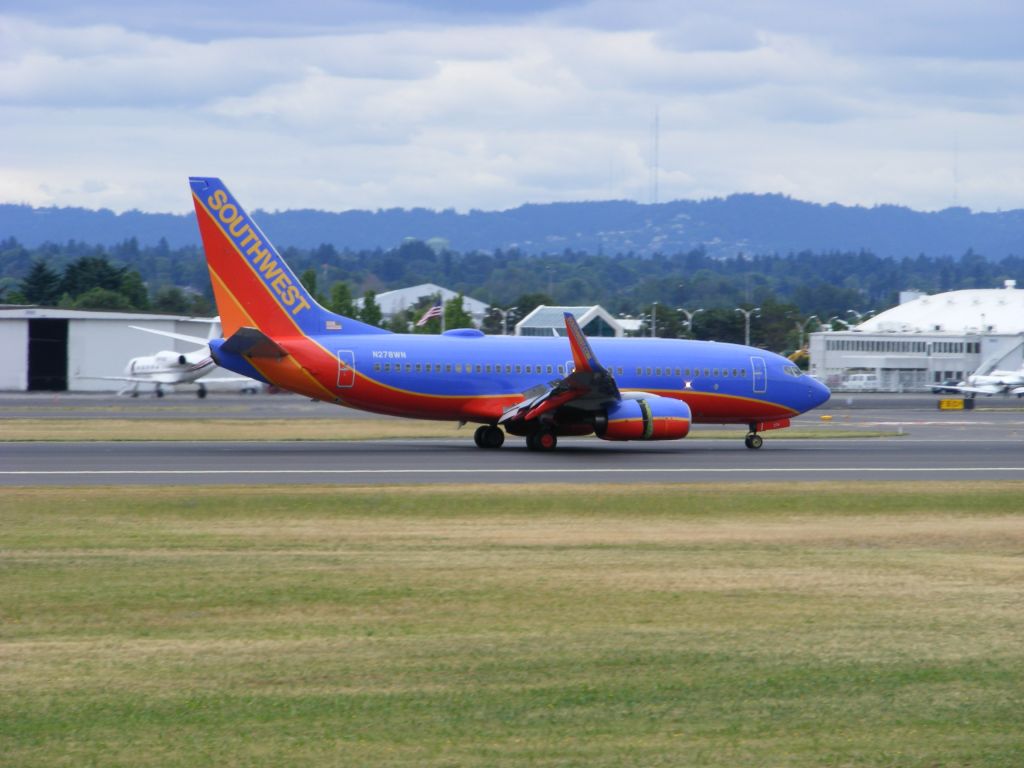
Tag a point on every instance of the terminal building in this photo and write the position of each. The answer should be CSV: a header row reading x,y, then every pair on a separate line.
x,y
550,321
924,341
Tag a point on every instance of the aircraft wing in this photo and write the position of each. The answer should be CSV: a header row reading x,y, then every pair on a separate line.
x,y
588,387
179,336
226,380
156,378
990,389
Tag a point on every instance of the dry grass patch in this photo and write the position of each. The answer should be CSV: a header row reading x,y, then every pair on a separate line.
x,y
822,624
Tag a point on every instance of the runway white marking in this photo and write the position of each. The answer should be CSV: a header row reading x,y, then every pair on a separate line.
x,y
504,471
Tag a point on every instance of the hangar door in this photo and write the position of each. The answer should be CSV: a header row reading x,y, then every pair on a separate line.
x,y
48,355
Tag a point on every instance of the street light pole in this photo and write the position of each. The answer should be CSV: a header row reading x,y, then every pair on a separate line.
x,y
802,327
689,317
746,321
654,320
860,317
838,319
504,318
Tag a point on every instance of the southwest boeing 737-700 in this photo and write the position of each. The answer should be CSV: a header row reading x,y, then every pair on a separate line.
x,y
539,388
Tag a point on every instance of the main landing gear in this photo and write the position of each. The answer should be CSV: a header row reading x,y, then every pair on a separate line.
x,y
753,441
541,440
489,437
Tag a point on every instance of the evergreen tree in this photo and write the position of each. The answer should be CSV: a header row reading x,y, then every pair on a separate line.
x,y
102,298
171,300
370,311
308,279
90,272
41,285
200,306
527,302
134,290
455,314
341,299
399,322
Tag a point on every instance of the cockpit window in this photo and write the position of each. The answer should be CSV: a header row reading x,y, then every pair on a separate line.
x,y
792,370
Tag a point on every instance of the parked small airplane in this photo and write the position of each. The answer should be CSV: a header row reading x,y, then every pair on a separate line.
x,y
995,382
540,388
169,367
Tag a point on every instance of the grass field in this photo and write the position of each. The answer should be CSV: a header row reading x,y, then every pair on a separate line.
x,y
50,430
772,625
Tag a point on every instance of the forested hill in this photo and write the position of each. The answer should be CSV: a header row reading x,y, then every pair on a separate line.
x,y
752,224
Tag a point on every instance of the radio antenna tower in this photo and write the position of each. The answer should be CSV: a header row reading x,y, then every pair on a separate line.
x,y
655,137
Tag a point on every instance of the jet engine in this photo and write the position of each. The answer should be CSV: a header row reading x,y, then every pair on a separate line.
x,y
652,418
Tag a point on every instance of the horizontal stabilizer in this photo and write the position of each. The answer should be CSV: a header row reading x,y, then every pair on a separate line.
x,y
252,343
197,340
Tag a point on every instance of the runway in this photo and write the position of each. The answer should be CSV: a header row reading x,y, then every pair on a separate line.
x,y
925,445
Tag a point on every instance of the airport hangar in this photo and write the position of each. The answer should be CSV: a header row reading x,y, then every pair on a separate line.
x,y
925,340
58,350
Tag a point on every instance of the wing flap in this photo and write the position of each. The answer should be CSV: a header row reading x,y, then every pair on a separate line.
x,y
588,387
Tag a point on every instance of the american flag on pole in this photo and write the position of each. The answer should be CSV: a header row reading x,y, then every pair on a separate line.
x,y
434,311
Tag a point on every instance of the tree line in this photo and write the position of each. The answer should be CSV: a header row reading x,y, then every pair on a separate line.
x,y
787,288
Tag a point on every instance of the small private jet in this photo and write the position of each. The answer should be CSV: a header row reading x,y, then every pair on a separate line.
x,y
169,368
994,382
538,388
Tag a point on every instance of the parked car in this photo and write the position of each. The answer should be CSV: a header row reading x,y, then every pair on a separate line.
x,y
863,381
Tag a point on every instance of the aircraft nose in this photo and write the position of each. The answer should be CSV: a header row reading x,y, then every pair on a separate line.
x,y
818,392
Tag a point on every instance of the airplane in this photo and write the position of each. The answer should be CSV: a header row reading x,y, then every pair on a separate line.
x,y
995,382
537,388
169,367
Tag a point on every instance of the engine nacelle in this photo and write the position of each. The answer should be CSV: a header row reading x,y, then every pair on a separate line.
x,y
652,418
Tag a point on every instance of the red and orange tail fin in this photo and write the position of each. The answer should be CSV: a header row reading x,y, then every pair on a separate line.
x,y
252,284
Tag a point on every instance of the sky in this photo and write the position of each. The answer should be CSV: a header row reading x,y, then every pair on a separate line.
x,y
489,105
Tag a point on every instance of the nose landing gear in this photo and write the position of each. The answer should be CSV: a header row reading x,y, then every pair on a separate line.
x,y
753,441
489,437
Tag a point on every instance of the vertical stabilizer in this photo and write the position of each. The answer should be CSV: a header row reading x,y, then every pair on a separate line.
x,y
252,284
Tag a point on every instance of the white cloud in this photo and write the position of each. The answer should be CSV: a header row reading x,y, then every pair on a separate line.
x,y
556,105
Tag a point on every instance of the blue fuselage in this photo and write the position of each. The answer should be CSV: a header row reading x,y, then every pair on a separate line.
x,y
429,376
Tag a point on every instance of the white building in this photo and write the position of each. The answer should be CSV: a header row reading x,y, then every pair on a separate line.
x,y
925,340
550,321
64,349
393,302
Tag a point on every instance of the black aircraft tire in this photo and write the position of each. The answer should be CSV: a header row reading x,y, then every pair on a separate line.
x,y
493,437
544,440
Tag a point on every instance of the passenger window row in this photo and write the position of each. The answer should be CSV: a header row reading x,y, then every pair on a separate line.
x,y
474,368
737,373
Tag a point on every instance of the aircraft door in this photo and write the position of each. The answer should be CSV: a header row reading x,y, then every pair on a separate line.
x,y
346,368
760,371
